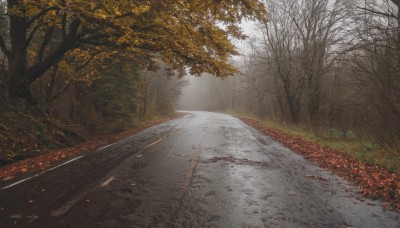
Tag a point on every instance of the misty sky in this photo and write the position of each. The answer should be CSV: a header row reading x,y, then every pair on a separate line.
x,y
190,98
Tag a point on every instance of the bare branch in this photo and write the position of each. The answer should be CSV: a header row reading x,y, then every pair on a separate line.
x,y
378,12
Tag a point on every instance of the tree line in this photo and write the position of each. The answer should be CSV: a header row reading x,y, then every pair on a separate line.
x,y
327,64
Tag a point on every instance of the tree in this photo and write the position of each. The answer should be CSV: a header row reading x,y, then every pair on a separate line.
x,y
158,93
256,81
182,34
3,30
117,108
77,66
377,68
318,24
280,53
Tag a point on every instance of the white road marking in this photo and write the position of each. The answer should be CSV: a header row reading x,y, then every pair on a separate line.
x,y
105,147
154,143
55,167
18,182
107,182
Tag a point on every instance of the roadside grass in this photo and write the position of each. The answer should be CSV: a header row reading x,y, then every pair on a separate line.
x,y
352,145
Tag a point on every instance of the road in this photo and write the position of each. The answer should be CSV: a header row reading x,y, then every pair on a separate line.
x,y
202,170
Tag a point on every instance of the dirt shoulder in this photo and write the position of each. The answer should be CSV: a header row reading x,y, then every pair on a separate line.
x,y
53,157
374,181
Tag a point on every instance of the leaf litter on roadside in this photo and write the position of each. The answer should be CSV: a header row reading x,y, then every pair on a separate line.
x,y
44,161
374,181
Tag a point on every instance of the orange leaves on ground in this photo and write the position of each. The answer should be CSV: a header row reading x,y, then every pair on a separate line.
x,y
373,181
46,160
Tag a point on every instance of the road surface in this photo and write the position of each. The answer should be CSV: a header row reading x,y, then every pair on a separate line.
x,y
203,170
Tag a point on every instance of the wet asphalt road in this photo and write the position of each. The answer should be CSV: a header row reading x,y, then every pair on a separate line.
x,y
203,170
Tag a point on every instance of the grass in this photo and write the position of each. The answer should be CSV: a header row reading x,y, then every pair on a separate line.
x,y
352,145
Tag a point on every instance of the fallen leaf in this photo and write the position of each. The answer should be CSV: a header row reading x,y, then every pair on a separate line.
x,y
293,193
316,177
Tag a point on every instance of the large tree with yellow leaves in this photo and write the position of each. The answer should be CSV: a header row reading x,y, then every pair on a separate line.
x,y
185,34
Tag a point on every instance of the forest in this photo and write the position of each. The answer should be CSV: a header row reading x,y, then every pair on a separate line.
x,y
331,66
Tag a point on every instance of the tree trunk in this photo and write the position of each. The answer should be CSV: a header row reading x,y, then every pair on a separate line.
x,y
20,75
18,84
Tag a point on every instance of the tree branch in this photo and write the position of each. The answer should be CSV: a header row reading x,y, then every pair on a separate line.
x,y
70,43
42,13
62,90
87,62
64,21
45,42
30,36
378,12
51,84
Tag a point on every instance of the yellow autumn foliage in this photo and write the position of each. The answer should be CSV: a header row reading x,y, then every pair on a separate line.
x,y
185,34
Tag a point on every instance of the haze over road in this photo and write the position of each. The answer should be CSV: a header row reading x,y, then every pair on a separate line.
x,y
202,170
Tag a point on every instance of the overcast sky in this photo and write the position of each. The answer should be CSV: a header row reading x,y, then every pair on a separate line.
x,y
250,29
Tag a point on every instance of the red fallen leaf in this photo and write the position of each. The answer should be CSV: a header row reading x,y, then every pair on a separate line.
x,y
316,177
375,175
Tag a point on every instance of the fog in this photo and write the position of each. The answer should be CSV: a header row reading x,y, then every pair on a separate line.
x,y
209,93
200,93
190,98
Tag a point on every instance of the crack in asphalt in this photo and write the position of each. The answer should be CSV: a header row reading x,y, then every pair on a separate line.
x,y
235,160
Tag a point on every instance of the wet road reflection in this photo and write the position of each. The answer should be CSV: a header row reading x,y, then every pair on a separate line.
x,y
203,170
